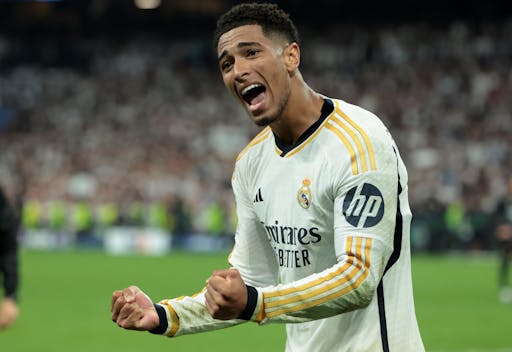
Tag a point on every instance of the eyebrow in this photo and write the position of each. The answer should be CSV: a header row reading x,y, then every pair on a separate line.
x,y
239,45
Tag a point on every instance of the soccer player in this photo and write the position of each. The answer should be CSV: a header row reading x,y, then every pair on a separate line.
x,y
322,241
8,263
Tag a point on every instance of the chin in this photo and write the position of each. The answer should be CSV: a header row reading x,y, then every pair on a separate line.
x,y
263,120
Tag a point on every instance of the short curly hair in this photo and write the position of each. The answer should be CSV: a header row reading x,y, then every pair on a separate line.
x,y
270,17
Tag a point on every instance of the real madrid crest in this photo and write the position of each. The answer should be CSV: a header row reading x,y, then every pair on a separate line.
x,y
304,193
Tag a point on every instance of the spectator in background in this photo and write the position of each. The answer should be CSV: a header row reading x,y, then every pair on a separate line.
x,y
8,262
451,120
503,234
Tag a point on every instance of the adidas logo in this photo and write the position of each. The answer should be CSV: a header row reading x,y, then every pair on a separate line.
x,y
258,197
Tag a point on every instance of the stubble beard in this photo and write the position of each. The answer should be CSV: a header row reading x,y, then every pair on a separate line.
x,y
267,120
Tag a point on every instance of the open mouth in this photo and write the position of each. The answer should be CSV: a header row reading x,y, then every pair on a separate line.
x,y
253,95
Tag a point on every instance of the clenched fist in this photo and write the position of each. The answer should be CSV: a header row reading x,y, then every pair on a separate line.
x,y
226,294
132,309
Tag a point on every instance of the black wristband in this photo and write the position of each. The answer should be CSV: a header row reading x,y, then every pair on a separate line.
x,y
160,329
252,300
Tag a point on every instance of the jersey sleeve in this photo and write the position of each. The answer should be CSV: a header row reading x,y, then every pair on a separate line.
x,y
365,206
252,256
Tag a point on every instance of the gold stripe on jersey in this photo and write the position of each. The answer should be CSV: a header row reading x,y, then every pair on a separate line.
x,y
353,157
260,137
350,263
362,153
309,139
175,320
261,314
348,247
363,134
319,291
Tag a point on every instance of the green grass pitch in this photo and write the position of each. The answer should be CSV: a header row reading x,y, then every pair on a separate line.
x,y
65,299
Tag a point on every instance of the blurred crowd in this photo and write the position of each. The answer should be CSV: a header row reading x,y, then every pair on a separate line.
x,y
144,121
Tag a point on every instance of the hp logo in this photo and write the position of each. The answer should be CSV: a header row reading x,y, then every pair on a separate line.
x,y
363,206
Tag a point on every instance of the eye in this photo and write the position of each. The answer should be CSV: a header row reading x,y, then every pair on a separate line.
x,y
226,65
251,52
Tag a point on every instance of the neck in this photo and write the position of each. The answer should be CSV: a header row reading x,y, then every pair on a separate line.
x,y
302,110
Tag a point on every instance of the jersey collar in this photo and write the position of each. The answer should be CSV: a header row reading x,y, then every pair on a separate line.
x,y
284,149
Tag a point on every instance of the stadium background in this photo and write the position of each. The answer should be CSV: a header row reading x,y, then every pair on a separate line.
x,y
116,131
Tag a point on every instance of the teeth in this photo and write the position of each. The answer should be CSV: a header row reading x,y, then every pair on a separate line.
x,y
248,88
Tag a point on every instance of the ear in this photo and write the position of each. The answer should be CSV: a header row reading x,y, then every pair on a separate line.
x,y
292,56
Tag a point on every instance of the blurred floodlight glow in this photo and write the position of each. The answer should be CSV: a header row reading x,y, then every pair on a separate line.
x,y
147,4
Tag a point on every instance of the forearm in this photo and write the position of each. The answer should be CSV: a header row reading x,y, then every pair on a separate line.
x,y
346,286
188,315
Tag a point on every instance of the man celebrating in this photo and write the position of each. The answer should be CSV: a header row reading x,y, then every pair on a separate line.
x,y
322,241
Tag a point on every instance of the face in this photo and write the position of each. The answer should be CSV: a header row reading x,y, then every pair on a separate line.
x,y
254,68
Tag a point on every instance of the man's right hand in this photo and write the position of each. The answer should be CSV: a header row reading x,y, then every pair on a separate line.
x,y
132,309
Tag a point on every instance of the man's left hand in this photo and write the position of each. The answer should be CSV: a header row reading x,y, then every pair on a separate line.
x,y
226,294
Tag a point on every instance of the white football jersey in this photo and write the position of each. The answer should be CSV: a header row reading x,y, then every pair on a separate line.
x,y
322,239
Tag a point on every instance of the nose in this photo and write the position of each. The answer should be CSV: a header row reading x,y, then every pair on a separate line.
x,y
240,69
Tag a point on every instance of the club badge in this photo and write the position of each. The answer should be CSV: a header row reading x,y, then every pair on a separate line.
x,y
304,193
